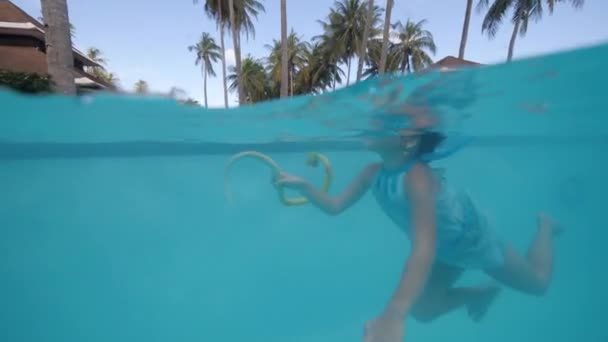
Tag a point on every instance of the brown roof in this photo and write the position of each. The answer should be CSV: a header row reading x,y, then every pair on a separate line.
x,y
11,13
451,62
18,27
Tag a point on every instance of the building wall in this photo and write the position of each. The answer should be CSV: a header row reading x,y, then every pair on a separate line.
x,y
22,58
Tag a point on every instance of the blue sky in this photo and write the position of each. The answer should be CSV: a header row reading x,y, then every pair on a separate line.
x,y
148,40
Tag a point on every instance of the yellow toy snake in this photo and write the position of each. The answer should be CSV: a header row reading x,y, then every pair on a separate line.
x,y
313,160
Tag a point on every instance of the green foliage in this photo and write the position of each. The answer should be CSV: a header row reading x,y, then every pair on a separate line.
x,y
96,55
141,87
207,53
25,82
190,102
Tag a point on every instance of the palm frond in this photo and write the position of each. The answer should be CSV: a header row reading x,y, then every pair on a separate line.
x,y
495,16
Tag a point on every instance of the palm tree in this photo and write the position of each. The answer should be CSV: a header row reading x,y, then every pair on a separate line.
x,y
207,53
523,11
59,56
315,75
214,10
190,102
329,58
346,25
284,50
223,47
112,79
141,87
96,55
244,13
254,81
237,51
414,45
385,36
331,48
365,39
373,59
296,50
241,20
465,29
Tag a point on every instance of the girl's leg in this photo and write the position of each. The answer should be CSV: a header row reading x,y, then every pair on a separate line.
x,y
530,274
440,298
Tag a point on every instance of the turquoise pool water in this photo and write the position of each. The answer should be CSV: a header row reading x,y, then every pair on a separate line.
x,y
114,225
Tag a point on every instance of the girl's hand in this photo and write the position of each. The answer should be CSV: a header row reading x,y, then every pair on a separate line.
x,y
384,329
290,181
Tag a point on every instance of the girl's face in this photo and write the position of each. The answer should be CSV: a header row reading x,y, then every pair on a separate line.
x,y
403,142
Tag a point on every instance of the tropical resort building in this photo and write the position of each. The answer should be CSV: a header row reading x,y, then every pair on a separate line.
x,y
23,49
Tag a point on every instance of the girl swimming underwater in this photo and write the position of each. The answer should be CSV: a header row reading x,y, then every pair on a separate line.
x,y
447,232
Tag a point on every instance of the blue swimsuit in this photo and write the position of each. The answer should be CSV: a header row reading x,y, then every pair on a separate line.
x,y
463,236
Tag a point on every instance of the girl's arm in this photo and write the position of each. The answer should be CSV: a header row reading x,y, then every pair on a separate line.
x,y
419,188
334,205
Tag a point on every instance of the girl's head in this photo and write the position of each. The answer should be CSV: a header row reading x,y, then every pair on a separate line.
x,y
428,142
408,144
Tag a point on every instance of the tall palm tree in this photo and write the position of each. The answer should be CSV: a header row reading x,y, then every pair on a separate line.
x,y
284,50
214,10
373,59
315,75
296,51
207,53
465,29
331,48
141,87
385,35
330,59
244,13
223,47
255,81
59,56
365,39
345,26
415,44
523,11
237,50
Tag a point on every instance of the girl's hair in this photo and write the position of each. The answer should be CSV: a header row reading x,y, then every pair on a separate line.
x,y
429,141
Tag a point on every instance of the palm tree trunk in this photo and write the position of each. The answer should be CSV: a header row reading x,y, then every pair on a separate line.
x,y
387,25
291,80
284,51
237,51
238,61
59,56
335,77
224,82
205,86
465,29
348,74
513,38
363,50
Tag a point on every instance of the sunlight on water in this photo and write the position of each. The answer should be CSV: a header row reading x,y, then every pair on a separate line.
x,y
114,225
